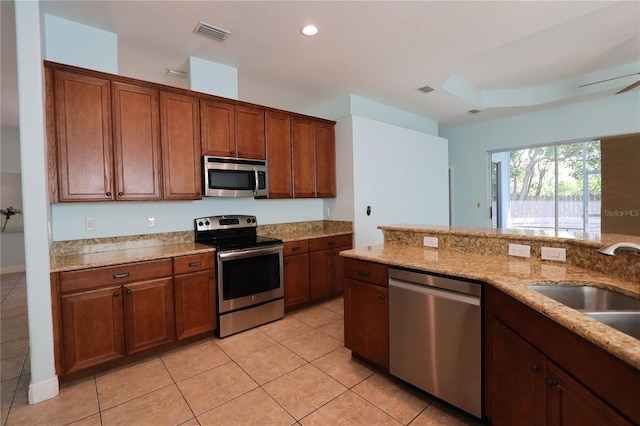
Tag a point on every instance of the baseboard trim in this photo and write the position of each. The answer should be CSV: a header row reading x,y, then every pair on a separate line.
x,y
43,390
12,269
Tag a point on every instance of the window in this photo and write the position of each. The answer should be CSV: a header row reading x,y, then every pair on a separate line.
x,y
555,187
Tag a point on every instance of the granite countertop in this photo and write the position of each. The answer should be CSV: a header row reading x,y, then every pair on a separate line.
x,y
512,275
117,257
307,235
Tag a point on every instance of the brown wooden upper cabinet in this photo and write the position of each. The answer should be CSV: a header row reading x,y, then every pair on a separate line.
x,y
278,139
314,159
83,137
136,142
232,131
180,134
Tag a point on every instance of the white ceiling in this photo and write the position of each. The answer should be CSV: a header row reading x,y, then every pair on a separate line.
x,y
475,54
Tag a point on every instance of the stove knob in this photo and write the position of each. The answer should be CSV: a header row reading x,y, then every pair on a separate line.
x,y
207,223
200,223
248,220
253,220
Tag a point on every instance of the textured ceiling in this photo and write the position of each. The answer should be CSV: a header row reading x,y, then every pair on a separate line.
x,y
382,51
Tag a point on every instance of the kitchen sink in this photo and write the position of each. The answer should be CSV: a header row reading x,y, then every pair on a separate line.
x,y
585,298
617,310
627,322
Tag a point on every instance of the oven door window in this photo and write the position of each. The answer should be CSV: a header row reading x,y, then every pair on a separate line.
x,y
238,180
249,276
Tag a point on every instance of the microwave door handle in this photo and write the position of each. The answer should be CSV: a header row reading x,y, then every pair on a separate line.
x,y
256,183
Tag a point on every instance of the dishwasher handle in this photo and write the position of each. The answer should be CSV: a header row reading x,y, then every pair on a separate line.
x,y
435,292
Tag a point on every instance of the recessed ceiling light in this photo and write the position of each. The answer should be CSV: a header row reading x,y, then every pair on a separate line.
x,y
310,30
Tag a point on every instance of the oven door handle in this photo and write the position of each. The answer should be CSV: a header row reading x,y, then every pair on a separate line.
x,y
256,182
252,252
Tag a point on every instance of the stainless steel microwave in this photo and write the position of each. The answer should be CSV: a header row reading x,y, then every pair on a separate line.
x,y
234,177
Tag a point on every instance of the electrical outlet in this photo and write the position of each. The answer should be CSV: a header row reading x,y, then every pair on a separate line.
x,y
90,224
519,250
430,242
151,221
552,253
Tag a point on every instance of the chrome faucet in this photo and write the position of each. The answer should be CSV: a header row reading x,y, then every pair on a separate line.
x,y
610,249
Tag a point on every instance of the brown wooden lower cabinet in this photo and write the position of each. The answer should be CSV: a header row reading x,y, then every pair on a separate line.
x,y
295,272
366,311
148,314
537,372
313,269
92,327
195,295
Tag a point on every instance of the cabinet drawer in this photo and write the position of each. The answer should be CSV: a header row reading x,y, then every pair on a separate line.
x,y
329,242
193,263
87,279
374,273
295,247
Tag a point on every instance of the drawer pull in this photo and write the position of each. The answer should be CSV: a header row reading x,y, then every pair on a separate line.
x,y
381,297
123,275
193,264
363,272
535,368
115,294
129,291
296,248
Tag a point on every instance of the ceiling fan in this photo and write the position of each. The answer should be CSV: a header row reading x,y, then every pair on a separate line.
x,y
626,89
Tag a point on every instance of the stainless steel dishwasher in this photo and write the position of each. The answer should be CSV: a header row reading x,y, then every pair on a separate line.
x,y
435,336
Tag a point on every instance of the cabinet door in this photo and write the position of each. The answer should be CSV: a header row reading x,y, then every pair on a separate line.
x,y
338,269
321,267
278,134
92,330
250,133
218,128
366,321
296,279
136,142
180,135
148,314
519,387
325,160
83,137
570,403
303,163
195,298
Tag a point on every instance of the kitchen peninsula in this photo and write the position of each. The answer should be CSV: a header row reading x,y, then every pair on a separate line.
x,y
563,347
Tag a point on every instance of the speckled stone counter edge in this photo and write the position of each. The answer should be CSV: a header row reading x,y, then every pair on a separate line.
x,y
581,248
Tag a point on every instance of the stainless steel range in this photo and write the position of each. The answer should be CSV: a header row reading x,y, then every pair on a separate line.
x,y
249,272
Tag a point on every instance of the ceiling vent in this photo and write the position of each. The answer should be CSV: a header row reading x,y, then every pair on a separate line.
x,y
426,89
211,31
474,111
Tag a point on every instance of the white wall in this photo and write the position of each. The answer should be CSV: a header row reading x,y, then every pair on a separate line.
x,y
129,218
469,145
213,78
401,173
44,382
11,243
76,44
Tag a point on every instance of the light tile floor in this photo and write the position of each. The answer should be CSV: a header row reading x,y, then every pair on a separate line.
x,y
292,371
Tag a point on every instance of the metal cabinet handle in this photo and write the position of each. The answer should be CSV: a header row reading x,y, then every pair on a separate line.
x,y
363,272
286,262
115,294
239,153
232,152
331,243
129,291
108,194
296,248
198,194
535,368
193,264
551,382
211,276
382,296
123,275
